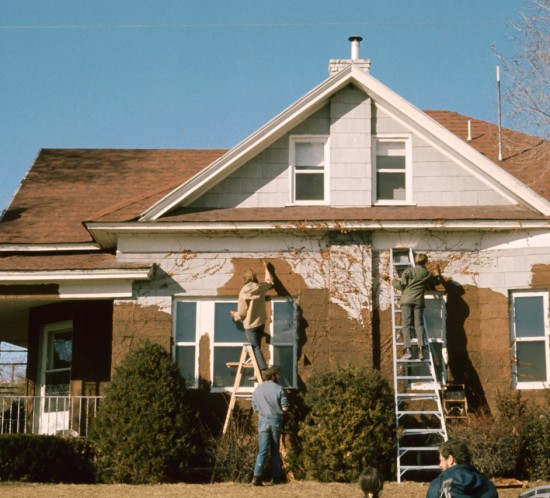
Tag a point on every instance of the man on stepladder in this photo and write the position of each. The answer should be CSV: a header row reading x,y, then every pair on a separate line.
x,y
412,284
251,310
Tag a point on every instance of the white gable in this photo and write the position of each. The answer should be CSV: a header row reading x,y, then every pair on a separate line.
x,y
357,116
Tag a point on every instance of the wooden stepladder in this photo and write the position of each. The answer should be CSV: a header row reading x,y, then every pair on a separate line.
x,y
246,362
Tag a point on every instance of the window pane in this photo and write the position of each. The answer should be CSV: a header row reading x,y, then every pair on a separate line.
x,y
61,350
185,359
390,162
283,357
283,323
433,318
529,316
310,187
390,148
422,369
531,361
186,322
391,186
309,153
225,328
225,376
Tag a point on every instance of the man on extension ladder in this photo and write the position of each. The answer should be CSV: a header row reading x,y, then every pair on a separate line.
x,y
413,283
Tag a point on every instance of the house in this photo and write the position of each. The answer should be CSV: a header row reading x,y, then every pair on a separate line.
x,y
100,249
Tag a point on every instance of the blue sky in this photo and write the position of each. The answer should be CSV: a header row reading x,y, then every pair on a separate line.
x,y
207,73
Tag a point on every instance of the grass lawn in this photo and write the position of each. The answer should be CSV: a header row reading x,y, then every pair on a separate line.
x,y
225,490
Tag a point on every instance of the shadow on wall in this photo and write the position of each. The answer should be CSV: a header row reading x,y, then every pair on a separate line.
x,y
301,324
460,366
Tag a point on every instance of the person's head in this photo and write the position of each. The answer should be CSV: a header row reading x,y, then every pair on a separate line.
x,y
421,259
249,276
371,482
453,452
271,373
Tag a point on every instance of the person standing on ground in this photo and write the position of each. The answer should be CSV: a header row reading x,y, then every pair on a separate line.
x,y
269,401
412,284
251,310
459,479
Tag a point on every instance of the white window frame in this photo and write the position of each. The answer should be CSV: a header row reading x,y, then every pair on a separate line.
x,y
514,339
406,139
205,313
293,140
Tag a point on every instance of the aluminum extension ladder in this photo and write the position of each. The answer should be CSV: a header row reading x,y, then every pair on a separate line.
x,y
247,361
419,413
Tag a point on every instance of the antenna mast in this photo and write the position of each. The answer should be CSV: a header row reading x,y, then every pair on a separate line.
x,y
499,116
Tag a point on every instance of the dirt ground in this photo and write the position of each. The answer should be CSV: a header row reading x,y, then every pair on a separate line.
x,y
225,490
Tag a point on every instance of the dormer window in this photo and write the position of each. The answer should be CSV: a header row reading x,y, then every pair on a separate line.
x,y
393,164
309,169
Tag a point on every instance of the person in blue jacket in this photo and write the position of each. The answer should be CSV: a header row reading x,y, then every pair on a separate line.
x,y
459,478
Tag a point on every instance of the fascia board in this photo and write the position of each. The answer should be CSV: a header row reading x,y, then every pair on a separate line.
x,y
249,147
64,275
414,116
84,247
152,228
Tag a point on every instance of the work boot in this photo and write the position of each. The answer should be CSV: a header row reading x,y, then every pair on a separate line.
x,y
422,353
257,481
407,355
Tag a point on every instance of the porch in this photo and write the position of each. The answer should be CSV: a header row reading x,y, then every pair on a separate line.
x,y
56,415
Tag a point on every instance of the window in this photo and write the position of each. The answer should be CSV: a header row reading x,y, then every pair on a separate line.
x,y
308,161
393,171
194,319
529,324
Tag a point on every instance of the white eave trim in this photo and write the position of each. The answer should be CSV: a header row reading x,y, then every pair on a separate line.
x,y
250,146
79,247
113,231
73,275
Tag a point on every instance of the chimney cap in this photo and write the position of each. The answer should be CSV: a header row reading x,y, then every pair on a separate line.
x,y
355,38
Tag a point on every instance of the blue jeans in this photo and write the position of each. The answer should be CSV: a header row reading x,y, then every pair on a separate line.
x,y
269,434
412,317
254,337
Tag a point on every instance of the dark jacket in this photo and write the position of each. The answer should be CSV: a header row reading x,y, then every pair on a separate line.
x,y
413,282
462,481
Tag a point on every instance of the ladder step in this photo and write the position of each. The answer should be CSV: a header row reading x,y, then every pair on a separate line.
x,y
421,431
419,467
415,377
416,396
418,448
236,364
418,412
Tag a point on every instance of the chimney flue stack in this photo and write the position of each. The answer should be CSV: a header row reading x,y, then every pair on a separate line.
x,y
355,42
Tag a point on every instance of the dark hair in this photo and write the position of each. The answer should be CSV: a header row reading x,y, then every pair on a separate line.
x,y
271,373
421,259
458,449
371,482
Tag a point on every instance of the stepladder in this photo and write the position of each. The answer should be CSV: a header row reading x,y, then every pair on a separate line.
x,y
247,365
419,412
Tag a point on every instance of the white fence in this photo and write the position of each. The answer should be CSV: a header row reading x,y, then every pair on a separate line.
x,y
58,415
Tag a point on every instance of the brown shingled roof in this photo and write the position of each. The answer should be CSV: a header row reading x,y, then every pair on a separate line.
x,y
524,156
65,187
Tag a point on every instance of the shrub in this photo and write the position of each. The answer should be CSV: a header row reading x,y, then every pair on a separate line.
x,y
234,453
536,441
34,458
350,424
144,431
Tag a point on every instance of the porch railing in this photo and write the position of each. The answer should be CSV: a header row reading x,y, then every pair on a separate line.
x,y
58,415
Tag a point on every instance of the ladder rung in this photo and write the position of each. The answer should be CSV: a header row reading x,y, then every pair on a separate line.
x,y
418,412
419,431
236,364
415,377
404,449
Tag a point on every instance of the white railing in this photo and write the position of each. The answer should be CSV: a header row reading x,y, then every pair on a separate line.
x,y
58,415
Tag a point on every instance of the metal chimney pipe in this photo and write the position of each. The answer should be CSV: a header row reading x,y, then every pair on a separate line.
x,y
355,41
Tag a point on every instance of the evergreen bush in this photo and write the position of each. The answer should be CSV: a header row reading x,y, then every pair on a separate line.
x,y
144,432
350,424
